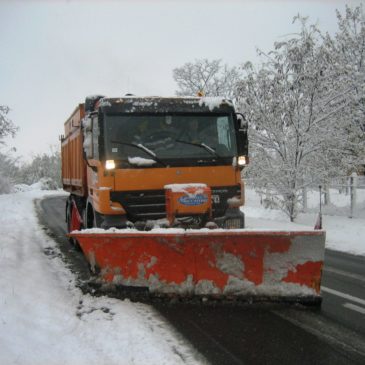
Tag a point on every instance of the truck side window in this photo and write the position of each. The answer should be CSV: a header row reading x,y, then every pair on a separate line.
x,y
95,137
224,136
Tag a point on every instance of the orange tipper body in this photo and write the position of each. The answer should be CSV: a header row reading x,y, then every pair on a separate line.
x,y
156,195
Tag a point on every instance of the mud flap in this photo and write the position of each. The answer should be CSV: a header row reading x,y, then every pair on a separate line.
x,y
222,263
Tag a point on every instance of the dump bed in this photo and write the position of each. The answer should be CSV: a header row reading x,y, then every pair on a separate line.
x,y
73,163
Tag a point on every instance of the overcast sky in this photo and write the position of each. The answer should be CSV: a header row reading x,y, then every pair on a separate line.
x,y
54,53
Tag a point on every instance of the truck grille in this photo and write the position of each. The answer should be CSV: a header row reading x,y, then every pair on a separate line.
x,y
142,205
150,204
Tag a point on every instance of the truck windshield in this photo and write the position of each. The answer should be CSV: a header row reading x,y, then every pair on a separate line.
x,y
169,136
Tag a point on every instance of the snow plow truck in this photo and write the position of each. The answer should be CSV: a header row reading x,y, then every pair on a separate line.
x,y
156,199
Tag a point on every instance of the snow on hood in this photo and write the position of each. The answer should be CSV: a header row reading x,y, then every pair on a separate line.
x,y
139,161
181,188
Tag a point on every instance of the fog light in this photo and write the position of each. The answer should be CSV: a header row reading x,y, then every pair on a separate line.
x,y
109,164
233,223
234,219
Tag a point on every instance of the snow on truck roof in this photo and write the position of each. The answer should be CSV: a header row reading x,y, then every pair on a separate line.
x,y
134,103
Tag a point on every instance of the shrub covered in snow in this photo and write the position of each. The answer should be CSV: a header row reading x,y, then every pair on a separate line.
x,y
8,171
43,172
44,183
5,185
43,167
7,163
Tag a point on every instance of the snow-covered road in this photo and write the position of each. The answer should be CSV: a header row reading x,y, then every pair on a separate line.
x,y
45,319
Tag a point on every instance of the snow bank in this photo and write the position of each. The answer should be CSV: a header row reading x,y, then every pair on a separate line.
x,y
342,233
45,319
43,184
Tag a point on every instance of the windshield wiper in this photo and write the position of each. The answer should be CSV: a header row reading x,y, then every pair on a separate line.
x,y
201,145
143,148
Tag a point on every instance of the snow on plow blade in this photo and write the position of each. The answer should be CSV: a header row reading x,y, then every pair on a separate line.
x,y
232,263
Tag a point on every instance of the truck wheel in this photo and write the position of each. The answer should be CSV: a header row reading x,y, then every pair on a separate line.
x,y
97,220
72,240
94,219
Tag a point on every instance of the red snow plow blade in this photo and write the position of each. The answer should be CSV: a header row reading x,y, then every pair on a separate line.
x,y
228,264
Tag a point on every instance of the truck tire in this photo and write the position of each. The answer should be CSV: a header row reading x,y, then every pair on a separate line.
x,y
93,218
72,240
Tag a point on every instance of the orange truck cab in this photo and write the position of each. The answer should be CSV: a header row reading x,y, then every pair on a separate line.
x,y
124,158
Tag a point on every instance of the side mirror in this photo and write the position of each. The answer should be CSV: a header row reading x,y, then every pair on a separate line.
x,y
88,139
242,134
242,122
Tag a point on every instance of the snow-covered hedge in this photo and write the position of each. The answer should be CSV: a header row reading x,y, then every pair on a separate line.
x,y
42,172
43,184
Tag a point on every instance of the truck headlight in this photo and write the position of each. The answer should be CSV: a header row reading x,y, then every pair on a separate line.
x,y
242,160
109,164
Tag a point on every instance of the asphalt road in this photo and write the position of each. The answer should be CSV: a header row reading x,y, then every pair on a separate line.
x,y
343,289
259,334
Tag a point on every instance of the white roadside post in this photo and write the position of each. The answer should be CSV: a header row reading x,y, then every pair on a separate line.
x,y
353,183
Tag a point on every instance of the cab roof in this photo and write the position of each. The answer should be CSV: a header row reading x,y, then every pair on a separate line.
x,y
156,104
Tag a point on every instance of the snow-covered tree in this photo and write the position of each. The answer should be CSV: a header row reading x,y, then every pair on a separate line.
x,y
7,127
210,78
291,109
8,171
11,171
347,69
7,162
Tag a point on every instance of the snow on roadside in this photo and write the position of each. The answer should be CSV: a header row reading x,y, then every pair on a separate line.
x,y
342,233
45,319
